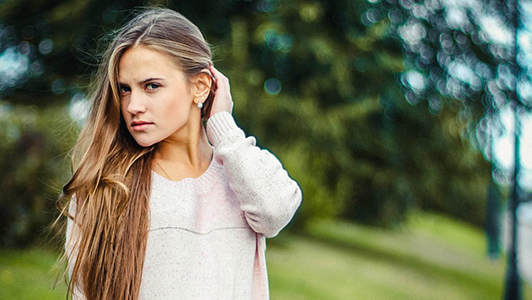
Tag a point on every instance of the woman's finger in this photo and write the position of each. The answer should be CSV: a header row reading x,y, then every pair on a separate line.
x,y
218,75
222,100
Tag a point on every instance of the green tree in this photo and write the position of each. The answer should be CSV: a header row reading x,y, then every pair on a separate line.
x,y
318,82
34,166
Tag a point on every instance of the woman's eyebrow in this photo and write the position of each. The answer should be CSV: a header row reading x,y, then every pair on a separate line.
x,y
150,79
141,82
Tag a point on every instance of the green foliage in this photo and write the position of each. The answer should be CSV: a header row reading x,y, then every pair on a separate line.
x,y
314,81
341,123
444,171
34,167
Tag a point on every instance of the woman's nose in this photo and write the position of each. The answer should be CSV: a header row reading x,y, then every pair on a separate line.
x,y
136,104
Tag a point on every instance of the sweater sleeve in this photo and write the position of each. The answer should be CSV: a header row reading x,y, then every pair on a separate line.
x,y
72,230
268,197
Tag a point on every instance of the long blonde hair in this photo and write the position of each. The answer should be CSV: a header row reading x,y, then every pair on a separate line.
x,y
111,179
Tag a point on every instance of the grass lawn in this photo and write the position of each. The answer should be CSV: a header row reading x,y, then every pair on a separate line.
x,y
430,257
29,274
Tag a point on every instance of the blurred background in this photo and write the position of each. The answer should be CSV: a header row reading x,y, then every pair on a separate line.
x,y
397,117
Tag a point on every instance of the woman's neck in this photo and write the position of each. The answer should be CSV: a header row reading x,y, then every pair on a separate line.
x,y
187,154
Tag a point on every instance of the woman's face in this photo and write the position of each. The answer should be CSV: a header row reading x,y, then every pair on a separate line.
x,y
156,98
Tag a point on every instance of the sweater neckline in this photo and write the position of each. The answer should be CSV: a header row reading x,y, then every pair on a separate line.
x,y
201,182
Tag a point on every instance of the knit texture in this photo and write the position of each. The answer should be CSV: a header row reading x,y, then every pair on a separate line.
x,y
206,238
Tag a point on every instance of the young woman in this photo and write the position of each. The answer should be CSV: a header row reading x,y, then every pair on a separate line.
x,y
161,206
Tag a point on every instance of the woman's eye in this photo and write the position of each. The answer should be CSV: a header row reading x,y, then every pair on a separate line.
x,y
124,89
152,86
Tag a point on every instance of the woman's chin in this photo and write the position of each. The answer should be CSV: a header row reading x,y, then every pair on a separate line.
x,y
145,144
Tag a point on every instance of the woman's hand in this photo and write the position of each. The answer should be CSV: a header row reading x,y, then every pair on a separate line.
x,y
222,98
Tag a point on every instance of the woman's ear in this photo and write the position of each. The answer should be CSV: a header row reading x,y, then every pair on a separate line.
x,y
201,85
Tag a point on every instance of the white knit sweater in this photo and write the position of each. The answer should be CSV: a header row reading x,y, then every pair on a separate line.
x,y
206,238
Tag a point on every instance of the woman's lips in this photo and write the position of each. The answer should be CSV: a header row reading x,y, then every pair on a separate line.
x,y
140,125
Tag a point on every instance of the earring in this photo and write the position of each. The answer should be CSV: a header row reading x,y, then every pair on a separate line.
x,y
200,103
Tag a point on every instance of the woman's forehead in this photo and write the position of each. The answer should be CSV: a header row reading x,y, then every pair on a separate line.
x,y
141,62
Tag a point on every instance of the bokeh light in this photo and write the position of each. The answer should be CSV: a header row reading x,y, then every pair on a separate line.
x,y
272,86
